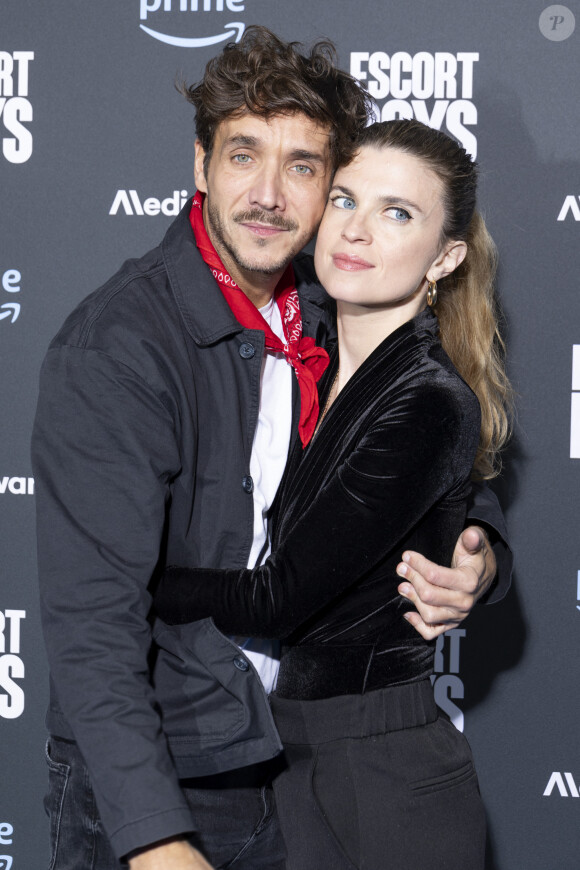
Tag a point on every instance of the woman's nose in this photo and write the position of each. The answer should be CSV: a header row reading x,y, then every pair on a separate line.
x,y
356,229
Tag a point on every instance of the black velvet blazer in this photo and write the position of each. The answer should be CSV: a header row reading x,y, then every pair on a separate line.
x,y
387,470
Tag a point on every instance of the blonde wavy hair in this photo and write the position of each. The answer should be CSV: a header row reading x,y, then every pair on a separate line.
x,y
466,307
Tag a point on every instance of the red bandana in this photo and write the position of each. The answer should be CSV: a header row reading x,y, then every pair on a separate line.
x,y
307,360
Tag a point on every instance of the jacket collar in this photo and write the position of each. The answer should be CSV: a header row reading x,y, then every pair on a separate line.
x,y
206,314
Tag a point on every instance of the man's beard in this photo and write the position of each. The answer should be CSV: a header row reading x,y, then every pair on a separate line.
x,y
260,216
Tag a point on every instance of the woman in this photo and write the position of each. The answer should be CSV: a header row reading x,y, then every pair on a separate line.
x,y
377,777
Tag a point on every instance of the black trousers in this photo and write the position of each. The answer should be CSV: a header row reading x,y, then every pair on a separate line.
x,y
381,781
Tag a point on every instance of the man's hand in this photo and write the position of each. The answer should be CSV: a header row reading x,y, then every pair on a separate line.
x,y
444,596
172,855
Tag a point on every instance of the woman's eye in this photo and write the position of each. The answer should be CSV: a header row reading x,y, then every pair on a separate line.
x,y
343,202
399,214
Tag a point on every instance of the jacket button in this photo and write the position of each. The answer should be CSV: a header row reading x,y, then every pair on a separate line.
x,y
247,484
247,350
241,664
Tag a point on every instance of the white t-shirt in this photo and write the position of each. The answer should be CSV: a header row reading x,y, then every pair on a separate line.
x,y
267,463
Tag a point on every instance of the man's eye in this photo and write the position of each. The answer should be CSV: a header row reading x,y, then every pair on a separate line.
x,y
401,215
242,158
343,202
301,169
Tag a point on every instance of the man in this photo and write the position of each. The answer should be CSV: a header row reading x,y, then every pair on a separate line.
x,y
165,415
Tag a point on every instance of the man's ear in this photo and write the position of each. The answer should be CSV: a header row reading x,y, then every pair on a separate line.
x,y
452,255
198,168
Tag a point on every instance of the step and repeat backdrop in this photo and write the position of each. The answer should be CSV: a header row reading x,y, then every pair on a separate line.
x,y
96,157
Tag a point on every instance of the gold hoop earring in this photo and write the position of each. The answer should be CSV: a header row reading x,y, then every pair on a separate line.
x,y
432,294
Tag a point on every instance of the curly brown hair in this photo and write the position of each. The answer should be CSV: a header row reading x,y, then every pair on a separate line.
x,y
266,76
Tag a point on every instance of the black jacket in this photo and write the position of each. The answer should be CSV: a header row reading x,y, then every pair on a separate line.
x,y
141,451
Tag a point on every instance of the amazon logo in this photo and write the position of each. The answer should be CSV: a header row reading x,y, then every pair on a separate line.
x,y
10,311
6,835
233,30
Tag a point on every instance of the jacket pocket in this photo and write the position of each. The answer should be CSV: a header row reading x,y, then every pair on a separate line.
x,y
214,708
196,686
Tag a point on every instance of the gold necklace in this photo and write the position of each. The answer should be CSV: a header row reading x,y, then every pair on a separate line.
x,y
328,399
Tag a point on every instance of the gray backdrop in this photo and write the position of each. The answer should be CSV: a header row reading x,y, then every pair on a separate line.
x,y
96,148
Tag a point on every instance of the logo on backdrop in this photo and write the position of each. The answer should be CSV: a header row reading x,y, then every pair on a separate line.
x,y
447,685
6,832
16,486
562,784
557,23
570,206
11,665
129,202
575,406
15,107
10,311
436,89
176,16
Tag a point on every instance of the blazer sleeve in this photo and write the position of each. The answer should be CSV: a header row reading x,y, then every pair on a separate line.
x,y
418,451
103,451
483,509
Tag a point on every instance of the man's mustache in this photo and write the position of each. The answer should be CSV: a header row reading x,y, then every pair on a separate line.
x,y
256,215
